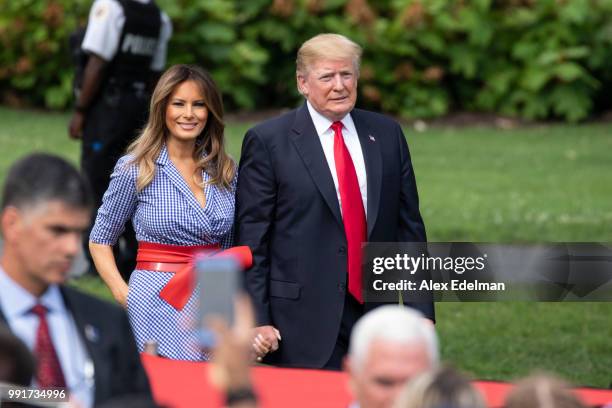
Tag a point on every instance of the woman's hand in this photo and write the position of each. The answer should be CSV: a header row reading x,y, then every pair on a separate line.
x,y
265,340
106,266
232,352
120,294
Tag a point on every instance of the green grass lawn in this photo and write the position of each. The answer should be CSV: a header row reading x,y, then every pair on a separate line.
x,y
536,184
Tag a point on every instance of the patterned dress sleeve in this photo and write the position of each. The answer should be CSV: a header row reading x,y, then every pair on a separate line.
x,y
118,204
227,241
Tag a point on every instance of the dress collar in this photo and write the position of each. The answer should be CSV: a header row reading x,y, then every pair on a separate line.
x,y
163,158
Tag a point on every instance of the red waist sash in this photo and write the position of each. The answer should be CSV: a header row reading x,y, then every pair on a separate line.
x,y
179,260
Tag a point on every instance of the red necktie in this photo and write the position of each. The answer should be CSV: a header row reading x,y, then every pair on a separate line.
x,y
353,214
49,373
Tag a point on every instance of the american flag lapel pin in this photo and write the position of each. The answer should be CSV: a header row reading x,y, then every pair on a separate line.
x,y
92,333
372,138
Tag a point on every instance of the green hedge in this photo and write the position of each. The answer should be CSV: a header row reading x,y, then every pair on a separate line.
x,y
423,58
35,66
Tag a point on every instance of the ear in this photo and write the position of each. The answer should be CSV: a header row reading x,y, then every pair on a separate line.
x,y
349,367
301,84
10,223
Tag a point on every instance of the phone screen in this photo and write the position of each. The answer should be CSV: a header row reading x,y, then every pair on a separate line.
x,y
218,282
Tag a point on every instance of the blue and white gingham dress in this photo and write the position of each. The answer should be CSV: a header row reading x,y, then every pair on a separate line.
x,y
165,212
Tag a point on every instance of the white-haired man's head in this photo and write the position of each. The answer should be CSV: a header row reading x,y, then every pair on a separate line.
x,y
389,346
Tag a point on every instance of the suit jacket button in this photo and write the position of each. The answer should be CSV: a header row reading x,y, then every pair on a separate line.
x,y
341,287
342,250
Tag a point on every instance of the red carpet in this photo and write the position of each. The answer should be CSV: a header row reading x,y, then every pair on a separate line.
x,y
180,384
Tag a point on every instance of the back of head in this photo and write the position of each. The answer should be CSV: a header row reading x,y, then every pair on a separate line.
x,y
542,391
40,178
327,46
441,388
16,361
392,323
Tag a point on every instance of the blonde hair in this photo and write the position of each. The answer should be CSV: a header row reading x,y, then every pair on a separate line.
x,y
209,152
327,46
542,391
444,387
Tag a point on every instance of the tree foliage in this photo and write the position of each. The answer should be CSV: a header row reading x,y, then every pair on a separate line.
x,y
528,58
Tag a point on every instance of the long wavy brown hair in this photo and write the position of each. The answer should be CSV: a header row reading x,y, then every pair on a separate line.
x,y
209,152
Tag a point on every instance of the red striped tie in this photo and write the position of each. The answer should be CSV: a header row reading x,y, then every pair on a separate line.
x,y
49,373
353,214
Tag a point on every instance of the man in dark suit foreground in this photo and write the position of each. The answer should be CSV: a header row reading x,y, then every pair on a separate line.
x,y
81,343
313,185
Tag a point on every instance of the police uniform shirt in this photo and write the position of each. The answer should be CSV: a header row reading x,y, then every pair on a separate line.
x,y
106,21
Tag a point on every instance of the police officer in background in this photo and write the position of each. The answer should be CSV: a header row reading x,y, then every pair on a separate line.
x,y
125,44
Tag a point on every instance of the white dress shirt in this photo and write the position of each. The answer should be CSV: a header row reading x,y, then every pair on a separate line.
x,y
351,140
77,367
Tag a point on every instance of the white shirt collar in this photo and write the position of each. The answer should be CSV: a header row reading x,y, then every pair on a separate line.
x,y
322,124
16,301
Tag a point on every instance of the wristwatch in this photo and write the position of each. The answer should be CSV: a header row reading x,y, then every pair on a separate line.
x,y
237,395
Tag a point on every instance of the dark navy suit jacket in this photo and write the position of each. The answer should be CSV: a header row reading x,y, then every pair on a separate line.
x,y
107,336
288,213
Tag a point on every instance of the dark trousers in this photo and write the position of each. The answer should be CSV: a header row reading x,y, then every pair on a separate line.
x,y
353,310
111,124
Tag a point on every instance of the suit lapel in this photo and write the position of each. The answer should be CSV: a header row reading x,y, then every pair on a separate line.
x,y
309,147
373,162
88,332
90,335
81,324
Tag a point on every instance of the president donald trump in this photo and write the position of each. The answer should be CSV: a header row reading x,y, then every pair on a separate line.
x,y
313,185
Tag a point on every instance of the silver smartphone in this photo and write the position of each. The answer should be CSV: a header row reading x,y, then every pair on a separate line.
x,y
219,281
